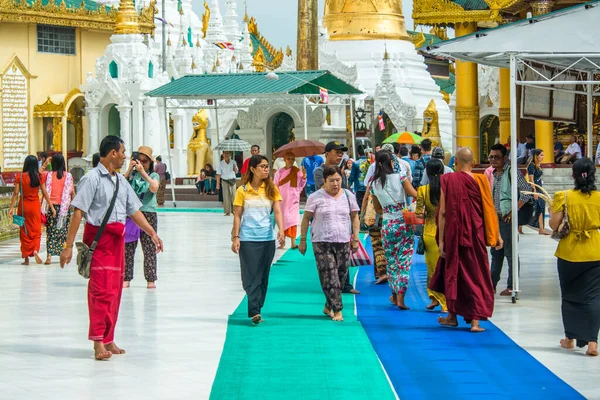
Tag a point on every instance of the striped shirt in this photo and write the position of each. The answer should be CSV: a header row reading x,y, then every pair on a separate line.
x,y
256,223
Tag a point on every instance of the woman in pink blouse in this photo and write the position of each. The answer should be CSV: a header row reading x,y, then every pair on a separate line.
x,y
334,234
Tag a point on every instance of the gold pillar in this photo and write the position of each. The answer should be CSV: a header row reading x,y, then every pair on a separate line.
x,y
504,111
307,57
544,130
467,98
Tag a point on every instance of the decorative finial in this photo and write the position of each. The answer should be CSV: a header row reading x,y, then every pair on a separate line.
x,y
218,62
214,69
198,40
246,18
127,22
241,67
180,7
233,59
386,55
183,41
169,39
193,64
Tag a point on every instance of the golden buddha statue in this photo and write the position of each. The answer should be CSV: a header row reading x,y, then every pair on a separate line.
x,y
57,135
199,152
365,20
431,126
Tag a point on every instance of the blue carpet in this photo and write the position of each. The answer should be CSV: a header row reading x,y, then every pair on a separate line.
x,y
426,361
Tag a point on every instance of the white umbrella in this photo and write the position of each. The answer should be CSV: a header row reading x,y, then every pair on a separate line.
x,y
233,145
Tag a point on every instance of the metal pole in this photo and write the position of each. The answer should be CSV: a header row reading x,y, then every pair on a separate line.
x,y
590,117
164,38
167,132
513,176
305,119
352,127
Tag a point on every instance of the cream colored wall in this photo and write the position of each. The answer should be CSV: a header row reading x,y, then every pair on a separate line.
x,y
55,73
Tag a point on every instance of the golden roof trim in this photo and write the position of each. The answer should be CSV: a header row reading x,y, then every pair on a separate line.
x,y
277,54
59,15
51,109
446,12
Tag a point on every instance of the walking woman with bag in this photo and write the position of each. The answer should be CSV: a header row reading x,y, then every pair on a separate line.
x,y
60,188
145,184
27,188
252,236
427,204
334,234
389,197
575,218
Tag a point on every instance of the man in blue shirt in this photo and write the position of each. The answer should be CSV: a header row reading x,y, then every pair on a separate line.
x,y
405,157
309,164
357,175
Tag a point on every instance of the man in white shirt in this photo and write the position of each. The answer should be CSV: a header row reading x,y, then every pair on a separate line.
x,y
403,168
226,171
573,152
437,153
598,150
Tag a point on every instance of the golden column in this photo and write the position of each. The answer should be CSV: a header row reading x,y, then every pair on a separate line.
x,y
544,130
307,57
467,98
504,111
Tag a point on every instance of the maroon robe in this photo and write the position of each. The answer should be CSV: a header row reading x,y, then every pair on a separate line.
x,y
464,274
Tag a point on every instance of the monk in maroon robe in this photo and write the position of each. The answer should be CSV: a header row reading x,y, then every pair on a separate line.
x,y
467,221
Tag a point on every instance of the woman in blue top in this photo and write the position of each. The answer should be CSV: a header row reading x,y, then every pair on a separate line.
x,y
535,172
252,235
145,184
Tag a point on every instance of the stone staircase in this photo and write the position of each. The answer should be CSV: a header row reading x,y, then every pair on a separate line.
x,y
557,179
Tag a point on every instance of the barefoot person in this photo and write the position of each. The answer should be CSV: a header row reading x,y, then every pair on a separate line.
x,y
27,189
334,214
466,223
291,182
578,258
252,236
94,194
389,198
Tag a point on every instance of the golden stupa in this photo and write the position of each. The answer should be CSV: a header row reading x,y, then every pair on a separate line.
x,y
365,20
127,21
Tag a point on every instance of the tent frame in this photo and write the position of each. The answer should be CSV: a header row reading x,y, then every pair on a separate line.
x,y
216,102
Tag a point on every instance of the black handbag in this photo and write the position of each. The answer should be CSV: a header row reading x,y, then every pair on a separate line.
x,y
85,253
525,213
421,246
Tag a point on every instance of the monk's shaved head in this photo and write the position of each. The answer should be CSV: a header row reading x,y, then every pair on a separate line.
x,y
464,156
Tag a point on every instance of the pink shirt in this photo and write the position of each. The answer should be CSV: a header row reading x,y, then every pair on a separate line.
x,y
331,222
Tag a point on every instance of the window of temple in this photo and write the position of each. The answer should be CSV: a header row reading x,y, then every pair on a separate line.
x,y
56,39
150,70
113,70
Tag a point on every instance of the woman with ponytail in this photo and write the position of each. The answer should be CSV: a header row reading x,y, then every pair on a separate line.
x,y
579,259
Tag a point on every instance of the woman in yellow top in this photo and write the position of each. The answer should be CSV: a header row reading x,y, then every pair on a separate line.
x,y
579,258
427,204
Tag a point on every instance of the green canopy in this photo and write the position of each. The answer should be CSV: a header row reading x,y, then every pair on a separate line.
x,y
254,85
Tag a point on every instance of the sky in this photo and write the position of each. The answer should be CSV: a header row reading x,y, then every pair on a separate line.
x,y
277,19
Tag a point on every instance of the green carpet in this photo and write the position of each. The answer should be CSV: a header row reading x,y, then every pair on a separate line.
x,y
298,353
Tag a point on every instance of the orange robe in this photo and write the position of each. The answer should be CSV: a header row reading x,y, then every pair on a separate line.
x,y
30,203
463,275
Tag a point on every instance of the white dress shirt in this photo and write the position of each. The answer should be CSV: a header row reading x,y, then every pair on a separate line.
x,y
574,149
227,170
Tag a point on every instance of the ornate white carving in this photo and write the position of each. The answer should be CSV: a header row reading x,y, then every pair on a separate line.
x,y
489,84
387,99
330,62
231,27
215,24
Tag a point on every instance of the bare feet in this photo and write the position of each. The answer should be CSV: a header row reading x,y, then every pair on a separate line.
x,y
328,312
432,305
337,316
450,320
354,291
257,319
38,259
567,343
382,279
282,246
151,285
475,327
100,352
48,260
114,349
394,298
521,230
592,349
126,284
543,232
400,302
25,261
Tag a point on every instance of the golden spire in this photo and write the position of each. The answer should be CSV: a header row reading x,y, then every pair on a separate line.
x,y
218,62
364,20
386,55
183,41
246,18
127,19
198,41
169,39
193,64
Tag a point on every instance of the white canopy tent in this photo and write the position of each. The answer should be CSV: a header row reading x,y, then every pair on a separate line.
x,y
557,51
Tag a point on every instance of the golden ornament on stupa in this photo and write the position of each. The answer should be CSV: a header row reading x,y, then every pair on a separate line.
x,y
127,21
364,20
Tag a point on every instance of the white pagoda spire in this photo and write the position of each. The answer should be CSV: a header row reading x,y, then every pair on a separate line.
x,y
245,47
215,25
232,28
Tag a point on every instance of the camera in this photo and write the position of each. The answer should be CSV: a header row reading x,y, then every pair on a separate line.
x,y
135,156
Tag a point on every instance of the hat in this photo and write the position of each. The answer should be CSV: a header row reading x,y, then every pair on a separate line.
x,y
438,153
388,147
335,146
147,151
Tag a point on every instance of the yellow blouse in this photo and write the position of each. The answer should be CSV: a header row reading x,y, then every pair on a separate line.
x,y
424,206
583,241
